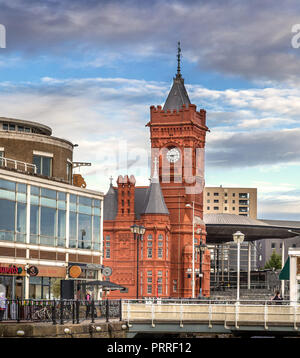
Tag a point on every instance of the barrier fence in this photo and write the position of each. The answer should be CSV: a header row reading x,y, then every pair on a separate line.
x,y
210,312
60,311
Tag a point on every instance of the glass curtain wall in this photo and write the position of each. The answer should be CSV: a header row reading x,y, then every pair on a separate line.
x,y
84,219
48,217
12,211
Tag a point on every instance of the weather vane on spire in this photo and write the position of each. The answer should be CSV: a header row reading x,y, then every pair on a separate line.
x,y
178,60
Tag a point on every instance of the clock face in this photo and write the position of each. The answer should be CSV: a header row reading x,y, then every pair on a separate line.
x,y
173,155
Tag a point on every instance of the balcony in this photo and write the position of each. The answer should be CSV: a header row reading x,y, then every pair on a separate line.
x,y
17,165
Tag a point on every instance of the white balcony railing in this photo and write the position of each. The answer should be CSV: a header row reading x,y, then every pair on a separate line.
x,y
18,165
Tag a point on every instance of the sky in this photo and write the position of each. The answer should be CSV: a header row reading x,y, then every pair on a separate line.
x,y
91,70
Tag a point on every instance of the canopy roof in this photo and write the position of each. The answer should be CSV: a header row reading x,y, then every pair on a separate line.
x,y
221,227
106,285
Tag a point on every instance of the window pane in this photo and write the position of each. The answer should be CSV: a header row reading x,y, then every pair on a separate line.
x,y
45,240
73,225
37,160
8,185
61,196
48,202
73,198
61,224
35,190
46,166
7,215
85,201
97,203
6,194
48,221
61,205
97,211
21,222
96,228
84,231
7,219
48,193
34,222
21,188
21,197
85,209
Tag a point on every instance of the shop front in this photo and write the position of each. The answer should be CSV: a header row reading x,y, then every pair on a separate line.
x,y
29,281
82,274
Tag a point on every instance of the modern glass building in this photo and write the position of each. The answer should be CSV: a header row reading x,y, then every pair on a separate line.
x,y
50,225
50,229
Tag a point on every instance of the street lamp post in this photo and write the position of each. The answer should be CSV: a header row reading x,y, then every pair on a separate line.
x,y
238,238
202,248
138,232
193,248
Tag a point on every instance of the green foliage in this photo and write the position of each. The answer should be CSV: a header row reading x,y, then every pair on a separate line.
x,y
55,287
274,262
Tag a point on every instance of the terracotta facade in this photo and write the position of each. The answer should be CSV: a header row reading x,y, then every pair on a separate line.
x,y
165,253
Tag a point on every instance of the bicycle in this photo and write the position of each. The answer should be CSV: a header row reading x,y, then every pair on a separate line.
x,y
42,315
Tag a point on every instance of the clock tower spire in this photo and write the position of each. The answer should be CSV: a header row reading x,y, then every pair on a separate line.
x,y
177,134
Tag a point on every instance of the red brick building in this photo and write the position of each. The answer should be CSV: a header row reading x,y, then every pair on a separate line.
x,y
165,208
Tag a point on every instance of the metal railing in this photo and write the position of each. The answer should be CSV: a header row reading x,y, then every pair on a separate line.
x,y
227,313
61,311
17,165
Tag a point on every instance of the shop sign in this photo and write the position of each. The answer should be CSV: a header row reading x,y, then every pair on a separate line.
x,y
75,271
32,271
52,271
11,270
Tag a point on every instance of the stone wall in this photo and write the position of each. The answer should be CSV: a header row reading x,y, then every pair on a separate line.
x,y
89,330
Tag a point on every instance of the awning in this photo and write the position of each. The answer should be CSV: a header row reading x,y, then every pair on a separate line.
x,y
285,272
106,285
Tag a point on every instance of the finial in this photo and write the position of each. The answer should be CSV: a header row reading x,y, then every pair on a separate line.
x,y
111,180
178,59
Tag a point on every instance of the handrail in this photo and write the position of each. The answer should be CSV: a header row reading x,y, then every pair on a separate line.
x,y
4,163
229,313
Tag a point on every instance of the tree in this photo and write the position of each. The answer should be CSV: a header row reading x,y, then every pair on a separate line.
x,y
274,262
55,287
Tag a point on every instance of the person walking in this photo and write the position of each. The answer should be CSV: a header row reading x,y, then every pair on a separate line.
x,y
277,298
2,305
88,298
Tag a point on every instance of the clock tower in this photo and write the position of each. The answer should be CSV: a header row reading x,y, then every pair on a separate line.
x,y
177,134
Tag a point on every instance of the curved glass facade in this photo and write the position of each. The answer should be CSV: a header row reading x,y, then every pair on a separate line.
x,y
49,216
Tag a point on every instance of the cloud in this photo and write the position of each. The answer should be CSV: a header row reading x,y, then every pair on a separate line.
x,y
255,148
219,36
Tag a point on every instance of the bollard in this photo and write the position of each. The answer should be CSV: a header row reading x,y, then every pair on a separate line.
x,y
120,309
73,311
77,311
107,310
93,308
67,331
54,312
61,312
18,310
